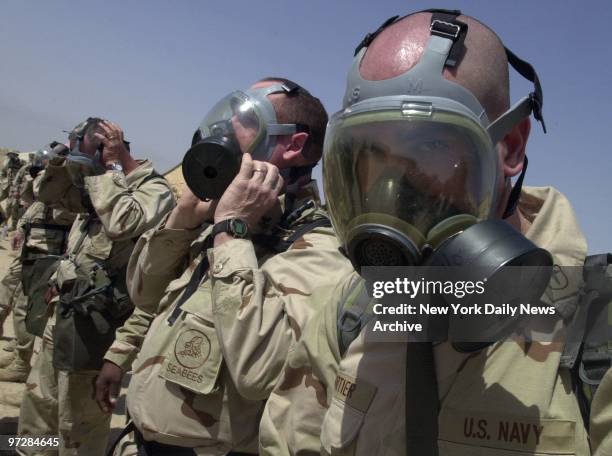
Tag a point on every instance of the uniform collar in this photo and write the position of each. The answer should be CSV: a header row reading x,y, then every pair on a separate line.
x,y
554,226
307,192
140,173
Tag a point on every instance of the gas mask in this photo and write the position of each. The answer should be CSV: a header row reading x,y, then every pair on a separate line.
x,y
80,165
40,161
410,165
243,121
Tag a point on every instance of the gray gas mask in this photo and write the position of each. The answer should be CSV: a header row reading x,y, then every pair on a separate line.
x,y
410,166
243,121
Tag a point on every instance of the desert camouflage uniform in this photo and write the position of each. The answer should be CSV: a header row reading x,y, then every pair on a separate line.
x,y
15,206
61,402
601,418
209,394
7,174
509,399
39,241
9,288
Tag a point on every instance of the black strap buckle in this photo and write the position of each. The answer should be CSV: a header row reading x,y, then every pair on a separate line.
x,y
536,107
445,29
290,87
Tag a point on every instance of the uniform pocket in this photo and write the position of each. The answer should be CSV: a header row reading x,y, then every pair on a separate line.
x,y
341,426
193,354
345,415
99,245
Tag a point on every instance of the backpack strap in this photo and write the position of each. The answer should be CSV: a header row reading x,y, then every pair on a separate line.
x,y
281,245
586,355
353,313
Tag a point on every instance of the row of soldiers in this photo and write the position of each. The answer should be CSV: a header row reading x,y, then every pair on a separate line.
x,y
23,214
240,311
15,177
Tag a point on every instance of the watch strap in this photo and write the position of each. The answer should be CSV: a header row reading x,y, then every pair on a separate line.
x,y
226,226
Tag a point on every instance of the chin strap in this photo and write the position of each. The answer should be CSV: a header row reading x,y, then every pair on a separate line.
x,y
515,194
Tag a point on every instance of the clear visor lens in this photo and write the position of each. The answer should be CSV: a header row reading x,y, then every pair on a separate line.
x,y
236,116
413,173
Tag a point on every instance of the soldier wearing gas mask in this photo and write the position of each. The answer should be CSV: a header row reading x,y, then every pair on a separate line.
x,y
16,206
42,233
417,169
232,279
117,198
9,168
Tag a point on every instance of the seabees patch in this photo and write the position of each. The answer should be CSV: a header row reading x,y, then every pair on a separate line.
x,y
192,355
192,348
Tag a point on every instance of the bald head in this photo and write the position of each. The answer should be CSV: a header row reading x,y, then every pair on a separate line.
x,y
483,70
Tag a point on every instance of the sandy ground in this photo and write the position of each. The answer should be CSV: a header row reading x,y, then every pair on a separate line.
x,y
9,414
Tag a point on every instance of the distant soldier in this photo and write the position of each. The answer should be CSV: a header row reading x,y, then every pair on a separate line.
x,y
8,288
117,198
42,231
9,169
16,207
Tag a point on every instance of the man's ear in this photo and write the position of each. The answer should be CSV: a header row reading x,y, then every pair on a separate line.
x,y
295,146
514,150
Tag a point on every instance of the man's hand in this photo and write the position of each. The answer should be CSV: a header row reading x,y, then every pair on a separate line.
x,y
252,193
17,240
111,136
51,293
191,212
108,386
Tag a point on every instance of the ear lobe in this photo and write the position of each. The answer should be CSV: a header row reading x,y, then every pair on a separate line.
x,y
515,143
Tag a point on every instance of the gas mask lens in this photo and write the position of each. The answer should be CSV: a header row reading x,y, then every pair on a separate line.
x,y
232,126
414,181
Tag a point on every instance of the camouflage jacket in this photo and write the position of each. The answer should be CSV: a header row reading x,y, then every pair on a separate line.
x,y
7,174
211,368
37,237
601,418
125,207
507,398
17,185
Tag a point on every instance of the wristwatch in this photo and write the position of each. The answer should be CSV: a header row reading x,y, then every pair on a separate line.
x,y
114,166
235,227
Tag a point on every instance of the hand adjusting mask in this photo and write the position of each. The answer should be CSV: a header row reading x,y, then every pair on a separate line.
x,y
411,167
215,155
79,164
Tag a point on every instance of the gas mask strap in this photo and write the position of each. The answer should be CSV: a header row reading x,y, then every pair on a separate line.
x,y
526,70
515,194
289,88
532,103
365,42
444,24
281,129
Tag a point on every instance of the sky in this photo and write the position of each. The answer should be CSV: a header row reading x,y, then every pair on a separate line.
x,y
156,67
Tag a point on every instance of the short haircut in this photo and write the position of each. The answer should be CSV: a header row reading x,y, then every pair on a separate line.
x,y
301,108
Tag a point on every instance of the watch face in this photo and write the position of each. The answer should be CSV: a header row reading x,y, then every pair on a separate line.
x,y
239,228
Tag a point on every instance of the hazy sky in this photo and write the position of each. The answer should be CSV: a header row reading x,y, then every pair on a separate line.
x,y
155,67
